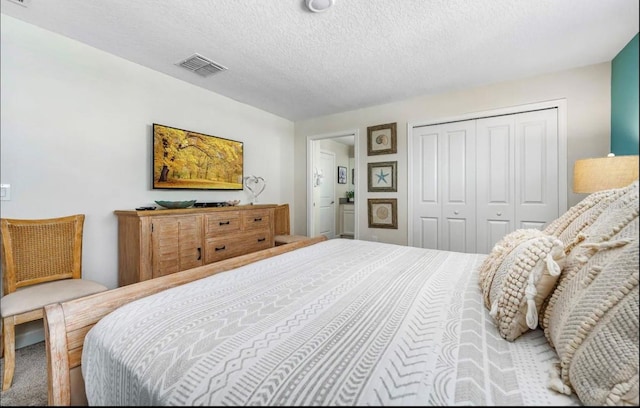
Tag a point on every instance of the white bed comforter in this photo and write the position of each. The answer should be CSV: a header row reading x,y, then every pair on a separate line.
x,y
343,322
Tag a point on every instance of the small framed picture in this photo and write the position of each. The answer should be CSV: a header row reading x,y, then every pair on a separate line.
x,y
382,139
382,176
342,175
383,212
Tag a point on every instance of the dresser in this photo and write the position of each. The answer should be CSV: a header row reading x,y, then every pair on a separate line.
x,y
160,242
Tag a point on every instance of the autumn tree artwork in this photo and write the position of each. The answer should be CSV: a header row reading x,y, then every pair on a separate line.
x,y
183,159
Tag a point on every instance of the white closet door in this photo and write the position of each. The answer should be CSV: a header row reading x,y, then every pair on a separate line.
x,y
444,186
495,152
474,181
459,187
537,166
425,217
517,162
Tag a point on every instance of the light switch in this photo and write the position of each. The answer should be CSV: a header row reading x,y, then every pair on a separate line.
x,y
5,192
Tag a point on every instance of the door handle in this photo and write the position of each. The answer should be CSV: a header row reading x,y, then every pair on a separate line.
x,y
332,202
498,214
456,212
199,254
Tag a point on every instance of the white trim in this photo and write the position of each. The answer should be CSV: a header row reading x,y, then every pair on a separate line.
x,y
560,104
356,154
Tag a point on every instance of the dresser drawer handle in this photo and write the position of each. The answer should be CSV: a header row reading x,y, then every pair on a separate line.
x,y
257,219
223,223
221,248
261,239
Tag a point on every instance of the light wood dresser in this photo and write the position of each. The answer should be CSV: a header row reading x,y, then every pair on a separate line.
x,y
160,242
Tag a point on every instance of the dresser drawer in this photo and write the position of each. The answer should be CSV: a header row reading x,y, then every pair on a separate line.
x,y
221,248
256,219
222,223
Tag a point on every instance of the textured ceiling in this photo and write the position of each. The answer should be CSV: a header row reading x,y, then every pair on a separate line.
x,y
296,64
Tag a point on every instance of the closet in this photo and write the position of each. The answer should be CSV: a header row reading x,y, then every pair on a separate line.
x,y
473,181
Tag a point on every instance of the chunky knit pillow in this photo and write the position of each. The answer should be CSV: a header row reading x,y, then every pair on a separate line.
x,y
517,276
592,316
582,215
597,342
616,226
575,225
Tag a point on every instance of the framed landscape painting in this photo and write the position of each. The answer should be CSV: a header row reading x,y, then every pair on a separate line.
x,y
184,159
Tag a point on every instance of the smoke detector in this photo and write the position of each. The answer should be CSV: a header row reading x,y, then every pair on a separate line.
x,y
201,65
318,6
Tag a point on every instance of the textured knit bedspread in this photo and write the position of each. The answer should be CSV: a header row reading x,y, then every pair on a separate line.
x,y
342,322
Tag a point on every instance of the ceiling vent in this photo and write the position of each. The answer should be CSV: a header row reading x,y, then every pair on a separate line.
x,y
201,65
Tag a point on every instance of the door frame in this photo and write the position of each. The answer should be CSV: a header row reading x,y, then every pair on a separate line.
x,y
310,166
560,104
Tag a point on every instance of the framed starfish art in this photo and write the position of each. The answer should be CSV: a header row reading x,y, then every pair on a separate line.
x,y
382,176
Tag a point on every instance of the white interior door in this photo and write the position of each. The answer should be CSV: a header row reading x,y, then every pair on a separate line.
x,y
315,144
326,199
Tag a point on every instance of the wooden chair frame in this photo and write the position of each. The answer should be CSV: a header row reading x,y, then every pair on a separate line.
x,y
15,275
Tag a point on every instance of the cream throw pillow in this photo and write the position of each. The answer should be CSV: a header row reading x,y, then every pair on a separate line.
x,y
516,277
615,227
598,341
582,215
573,228
592,316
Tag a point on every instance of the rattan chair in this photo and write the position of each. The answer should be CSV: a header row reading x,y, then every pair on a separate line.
x,y
41,264
282,229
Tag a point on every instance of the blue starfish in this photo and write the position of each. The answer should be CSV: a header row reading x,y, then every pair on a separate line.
x,y
382,177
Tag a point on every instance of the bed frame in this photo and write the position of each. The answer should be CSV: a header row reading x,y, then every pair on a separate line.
x,y
66,324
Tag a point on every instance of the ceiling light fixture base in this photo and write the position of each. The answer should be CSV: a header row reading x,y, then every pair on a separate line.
x,y
318,6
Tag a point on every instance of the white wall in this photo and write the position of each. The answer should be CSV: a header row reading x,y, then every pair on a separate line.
x,y
76,136
587,92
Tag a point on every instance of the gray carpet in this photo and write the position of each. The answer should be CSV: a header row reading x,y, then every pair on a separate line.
x,y
29,379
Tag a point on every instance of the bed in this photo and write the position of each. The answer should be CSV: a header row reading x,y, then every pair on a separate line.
x,y
351,322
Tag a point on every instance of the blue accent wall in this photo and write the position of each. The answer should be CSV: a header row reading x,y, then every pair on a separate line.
x,y
624,100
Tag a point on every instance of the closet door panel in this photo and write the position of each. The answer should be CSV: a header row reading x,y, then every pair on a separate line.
x,y
537,168
428,230
495,191
458,186
427,205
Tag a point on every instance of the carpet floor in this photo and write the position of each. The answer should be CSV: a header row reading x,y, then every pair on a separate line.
x,y
29,386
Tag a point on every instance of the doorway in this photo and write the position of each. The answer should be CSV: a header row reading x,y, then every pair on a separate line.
x,y
322,214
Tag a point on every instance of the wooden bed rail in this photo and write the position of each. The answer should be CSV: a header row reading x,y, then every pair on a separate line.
x,y
66,324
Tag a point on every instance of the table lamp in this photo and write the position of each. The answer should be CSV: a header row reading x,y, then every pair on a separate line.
x,y
603,173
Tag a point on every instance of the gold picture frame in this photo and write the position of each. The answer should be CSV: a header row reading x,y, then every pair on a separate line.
x,y
382,139
382,176
383,212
